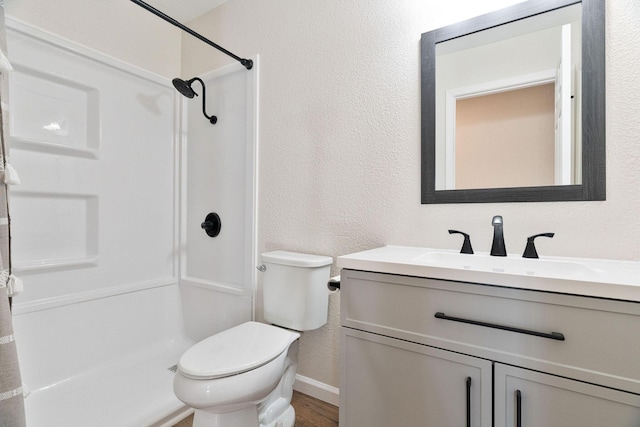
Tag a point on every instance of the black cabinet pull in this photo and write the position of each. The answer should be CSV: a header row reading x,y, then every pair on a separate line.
x,y
553,335
468,401
518,408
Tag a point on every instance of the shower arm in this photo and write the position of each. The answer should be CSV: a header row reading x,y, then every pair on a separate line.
x,y
212,119
247,63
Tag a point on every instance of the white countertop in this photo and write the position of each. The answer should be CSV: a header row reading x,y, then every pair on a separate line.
x,y
610,279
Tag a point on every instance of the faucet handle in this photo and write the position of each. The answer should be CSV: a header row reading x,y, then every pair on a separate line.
x,y
466,245
530,249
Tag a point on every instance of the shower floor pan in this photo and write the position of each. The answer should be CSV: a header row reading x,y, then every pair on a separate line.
x,y
133,392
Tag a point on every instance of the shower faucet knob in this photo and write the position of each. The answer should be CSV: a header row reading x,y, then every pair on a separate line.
x,y
212,224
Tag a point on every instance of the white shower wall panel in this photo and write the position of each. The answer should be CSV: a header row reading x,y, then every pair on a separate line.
x,y
95,148
95,236
219,175
220,167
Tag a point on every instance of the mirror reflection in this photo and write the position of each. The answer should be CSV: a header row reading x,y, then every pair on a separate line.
x,y
508,105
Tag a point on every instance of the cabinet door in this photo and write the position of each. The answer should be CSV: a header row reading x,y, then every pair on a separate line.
x,y
550,401
389,382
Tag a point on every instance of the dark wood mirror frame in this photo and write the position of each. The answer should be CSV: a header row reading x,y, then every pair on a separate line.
x,y
593,108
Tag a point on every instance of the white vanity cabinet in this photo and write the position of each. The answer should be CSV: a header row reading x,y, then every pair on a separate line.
x,y
408,345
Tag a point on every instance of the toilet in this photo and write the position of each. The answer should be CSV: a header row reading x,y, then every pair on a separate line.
x,y
243,376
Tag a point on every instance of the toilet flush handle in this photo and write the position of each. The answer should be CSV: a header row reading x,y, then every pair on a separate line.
x,y
262,268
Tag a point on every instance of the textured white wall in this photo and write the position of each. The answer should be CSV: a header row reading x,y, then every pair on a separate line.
x,y
340,138
118,28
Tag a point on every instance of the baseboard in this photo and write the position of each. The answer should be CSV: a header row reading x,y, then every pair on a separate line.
x,y
316,389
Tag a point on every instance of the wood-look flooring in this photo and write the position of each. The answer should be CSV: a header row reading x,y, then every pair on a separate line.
x,y
310,412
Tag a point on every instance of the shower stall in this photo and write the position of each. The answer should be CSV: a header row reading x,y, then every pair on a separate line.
x,y
118,175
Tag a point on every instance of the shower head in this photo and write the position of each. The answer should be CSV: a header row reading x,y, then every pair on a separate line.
x,y
184,87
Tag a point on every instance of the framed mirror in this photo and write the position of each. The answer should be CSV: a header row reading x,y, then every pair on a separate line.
x,y
513,105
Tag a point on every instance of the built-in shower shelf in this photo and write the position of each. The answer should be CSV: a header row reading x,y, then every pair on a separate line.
x,y
51,113
55,264
52,148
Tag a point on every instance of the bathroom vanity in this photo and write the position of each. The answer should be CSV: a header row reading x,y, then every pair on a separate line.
x,y
437,338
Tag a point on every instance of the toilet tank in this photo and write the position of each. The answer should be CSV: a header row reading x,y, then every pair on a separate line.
x,y
294,289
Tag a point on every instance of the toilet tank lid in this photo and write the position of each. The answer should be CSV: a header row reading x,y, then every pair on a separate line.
x,y
296,259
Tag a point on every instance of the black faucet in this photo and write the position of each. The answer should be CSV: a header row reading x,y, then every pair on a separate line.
x,y
466,245
497,248
530,249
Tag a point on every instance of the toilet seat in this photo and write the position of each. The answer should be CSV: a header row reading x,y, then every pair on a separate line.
x,y
236,350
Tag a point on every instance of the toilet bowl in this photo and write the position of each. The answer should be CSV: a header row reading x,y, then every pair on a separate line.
x,y
226,376
243,377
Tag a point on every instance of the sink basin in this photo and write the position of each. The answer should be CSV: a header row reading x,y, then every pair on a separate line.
x,y
511,264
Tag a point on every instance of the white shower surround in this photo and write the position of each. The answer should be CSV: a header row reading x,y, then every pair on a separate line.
x,y
110,302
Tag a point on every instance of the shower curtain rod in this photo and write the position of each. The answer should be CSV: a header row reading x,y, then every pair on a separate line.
x,y
248,64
